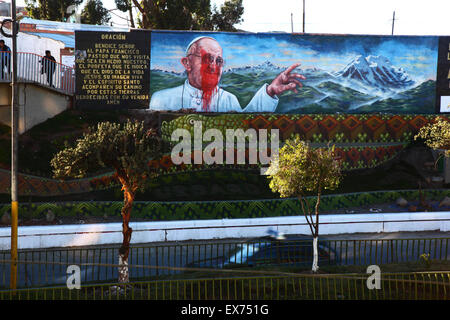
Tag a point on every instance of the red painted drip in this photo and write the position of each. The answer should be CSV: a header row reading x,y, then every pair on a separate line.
x,y
210,78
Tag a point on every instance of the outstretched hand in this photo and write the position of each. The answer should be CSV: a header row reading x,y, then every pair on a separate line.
x,y
286,81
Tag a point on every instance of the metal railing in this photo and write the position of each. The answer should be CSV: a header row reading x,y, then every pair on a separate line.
x,y
45,267
397,286
34,68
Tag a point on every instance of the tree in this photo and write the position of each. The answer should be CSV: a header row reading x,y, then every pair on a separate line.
x,y
53,10
230,14
174,14
95,13
127,148
124,6
300,168
436,135
188,14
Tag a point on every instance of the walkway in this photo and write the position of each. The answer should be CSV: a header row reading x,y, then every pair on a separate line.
x,y
29,70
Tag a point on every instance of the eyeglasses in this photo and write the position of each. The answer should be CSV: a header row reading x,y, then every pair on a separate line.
x,y
209,59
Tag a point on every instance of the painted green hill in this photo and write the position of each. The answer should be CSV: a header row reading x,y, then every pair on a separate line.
x,y
420,99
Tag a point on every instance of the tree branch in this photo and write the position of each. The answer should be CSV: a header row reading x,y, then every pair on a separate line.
x,y
319,192
300,198
138,6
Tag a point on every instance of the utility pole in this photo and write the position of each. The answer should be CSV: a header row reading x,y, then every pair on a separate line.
x,y
393,21
12,57
292,22
14,148
303,16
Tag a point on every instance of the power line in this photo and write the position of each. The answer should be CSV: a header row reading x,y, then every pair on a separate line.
x,y
120,16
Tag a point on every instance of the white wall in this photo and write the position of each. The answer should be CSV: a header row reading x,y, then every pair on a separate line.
x,y
35,44
68,61
36,104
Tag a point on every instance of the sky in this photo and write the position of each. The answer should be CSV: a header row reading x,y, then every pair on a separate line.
x,y
412,17
416,55
357,17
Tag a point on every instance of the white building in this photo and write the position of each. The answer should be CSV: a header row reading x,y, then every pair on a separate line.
x,y
37,36
5,8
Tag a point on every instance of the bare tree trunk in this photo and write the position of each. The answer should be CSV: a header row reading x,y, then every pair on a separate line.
x,y
315,265
123,270
145,8
126,232
131,15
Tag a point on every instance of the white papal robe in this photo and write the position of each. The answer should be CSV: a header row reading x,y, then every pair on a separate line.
x,y
188,97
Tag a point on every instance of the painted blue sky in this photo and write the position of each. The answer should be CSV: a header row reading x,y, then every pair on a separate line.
x,y
416,55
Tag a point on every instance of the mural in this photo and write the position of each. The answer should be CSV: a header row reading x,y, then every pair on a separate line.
x,y
289,73
443,76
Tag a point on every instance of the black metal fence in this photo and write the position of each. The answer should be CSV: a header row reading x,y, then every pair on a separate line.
x,y
48,267
397,286
38,69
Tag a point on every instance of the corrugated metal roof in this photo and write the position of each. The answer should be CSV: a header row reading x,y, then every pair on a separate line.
x,y
67,26
68,40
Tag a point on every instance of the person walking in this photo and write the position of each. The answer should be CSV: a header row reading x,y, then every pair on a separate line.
x,y
5,56
48,67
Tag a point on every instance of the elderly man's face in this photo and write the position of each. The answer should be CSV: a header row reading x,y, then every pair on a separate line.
x,y
204,64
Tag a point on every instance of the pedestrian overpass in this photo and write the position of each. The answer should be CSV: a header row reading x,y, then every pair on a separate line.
x,y
37,100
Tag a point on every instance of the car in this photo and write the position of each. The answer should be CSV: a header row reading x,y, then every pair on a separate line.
x,y
286,251
269,250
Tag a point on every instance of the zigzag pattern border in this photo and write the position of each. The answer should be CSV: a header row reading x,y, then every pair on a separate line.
x,y
196,210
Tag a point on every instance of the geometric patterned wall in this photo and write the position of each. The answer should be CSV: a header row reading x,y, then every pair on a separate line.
x,y
352,157
362,141
339,128
165,211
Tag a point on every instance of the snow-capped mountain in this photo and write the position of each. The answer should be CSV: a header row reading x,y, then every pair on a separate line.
x,y
160,70
367,84
265,66
376,72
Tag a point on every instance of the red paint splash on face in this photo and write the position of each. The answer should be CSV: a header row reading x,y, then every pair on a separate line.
x,y
210,73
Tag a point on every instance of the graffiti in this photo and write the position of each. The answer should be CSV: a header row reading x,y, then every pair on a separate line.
x,y
210,76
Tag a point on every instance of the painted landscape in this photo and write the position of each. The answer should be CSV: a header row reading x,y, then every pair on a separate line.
x,y
382,78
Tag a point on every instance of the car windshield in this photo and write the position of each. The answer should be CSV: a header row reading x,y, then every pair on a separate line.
x,y
244,251
271,251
